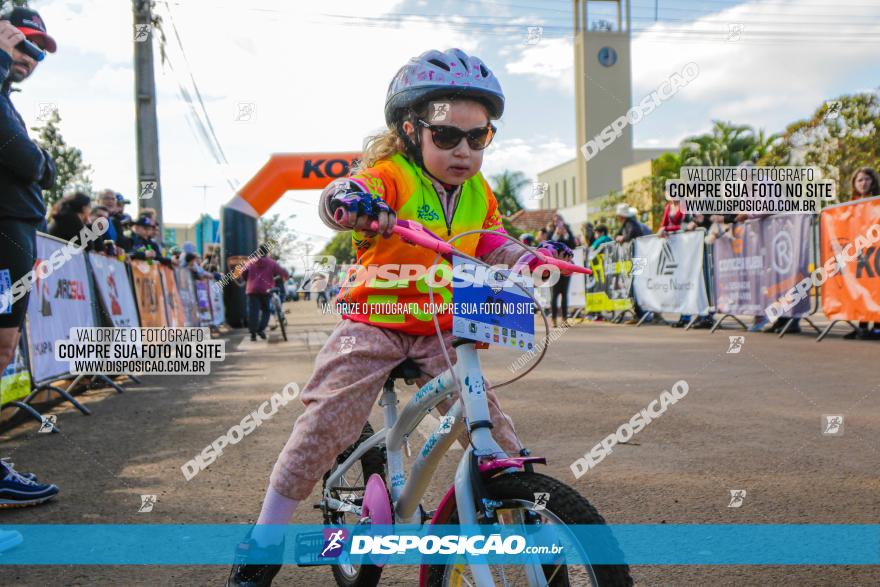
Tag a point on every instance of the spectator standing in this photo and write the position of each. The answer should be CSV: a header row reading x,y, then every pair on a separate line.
x,y
588,234
601,237
260,279
675,220
107,199
105,245
561,232
25,171
865,183
630,228
122,222
143,244
70,215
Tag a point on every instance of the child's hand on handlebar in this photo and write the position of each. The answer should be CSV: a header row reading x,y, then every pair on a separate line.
x,y
556,249
358,210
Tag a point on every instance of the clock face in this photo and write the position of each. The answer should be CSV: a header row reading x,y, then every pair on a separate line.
x,y
607,56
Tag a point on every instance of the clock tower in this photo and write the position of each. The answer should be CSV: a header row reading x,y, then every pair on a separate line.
x,y
603,92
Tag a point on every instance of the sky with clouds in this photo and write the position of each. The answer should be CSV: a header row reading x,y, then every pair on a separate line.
x,y
315,76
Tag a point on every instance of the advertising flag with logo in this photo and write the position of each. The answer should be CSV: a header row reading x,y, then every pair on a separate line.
x,y
61,298
854,292
759,261
114,290
786,242
608,288
187,292
672,280
148,288
173,303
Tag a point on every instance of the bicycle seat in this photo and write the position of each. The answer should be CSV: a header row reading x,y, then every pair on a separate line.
x,y
407,370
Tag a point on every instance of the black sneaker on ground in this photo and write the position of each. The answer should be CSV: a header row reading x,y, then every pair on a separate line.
x,y
16,490
703,323
262,334
253,336
679,323
254,575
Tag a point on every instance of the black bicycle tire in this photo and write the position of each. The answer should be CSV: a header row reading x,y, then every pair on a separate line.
x,y
569,505
372,461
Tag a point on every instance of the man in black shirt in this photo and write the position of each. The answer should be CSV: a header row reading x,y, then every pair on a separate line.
x,y
25,171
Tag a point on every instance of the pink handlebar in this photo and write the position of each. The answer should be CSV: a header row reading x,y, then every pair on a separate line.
x,y
414,233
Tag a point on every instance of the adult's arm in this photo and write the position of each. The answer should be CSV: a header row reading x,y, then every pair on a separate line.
x,y
19,155
280,271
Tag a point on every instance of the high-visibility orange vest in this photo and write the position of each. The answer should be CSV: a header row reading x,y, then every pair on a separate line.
x,y
412,196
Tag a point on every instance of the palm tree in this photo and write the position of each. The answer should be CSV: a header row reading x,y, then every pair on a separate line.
x,y
764,144
507,185
725,145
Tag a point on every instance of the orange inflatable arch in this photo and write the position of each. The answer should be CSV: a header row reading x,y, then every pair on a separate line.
x,y
290,171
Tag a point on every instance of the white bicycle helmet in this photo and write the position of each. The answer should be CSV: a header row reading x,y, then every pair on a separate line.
x,y
433,74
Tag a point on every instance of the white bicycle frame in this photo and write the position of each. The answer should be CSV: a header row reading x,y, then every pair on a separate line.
x,y
406,494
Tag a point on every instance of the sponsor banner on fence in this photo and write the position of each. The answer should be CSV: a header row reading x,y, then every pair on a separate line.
x,y
115,290
738,264
187,291
609,286
672,280
854,293
217,305
15,381
760,261
203,301
148,289
173,303
787,241
58,302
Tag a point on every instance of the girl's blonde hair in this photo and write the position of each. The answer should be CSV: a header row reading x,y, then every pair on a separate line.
x,y
378,147
389,142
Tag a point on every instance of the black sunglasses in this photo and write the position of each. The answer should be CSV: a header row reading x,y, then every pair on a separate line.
x,y
448,137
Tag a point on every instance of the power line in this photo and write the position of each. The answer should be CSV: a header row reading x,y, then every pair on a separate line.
x,y
204,128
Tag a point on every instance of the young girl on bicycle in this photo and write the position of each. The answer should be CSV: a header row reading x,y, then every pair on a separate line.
x,y
425,167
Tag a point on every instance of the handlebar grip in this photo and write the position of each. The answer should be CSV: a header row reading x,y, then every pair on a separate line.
x,y
564,264
418,237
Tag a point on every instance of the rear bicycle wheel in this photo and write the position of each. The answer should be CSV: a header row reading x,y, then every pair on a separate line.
x,y
350,489
516,492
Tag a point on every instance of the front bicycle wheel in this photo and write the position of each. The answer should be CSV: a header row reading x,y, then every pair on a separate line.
x,y
282,321
350,489
517,494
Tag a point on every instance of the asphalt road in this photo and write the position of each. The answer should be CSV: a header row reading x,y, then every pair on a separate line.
x,y
751,421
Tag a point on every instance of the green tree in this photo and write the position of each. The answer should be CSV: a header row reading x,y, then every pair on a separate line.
x,y
725,145
837,140
275,228
506,187
341,247
73,174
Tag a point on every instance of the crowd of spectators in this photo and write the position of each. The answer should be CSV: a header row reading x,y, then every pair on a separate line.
x,y
864,183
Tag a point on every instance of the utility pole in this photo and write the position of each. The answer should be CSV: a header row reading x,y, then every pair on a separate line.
x,y
149,184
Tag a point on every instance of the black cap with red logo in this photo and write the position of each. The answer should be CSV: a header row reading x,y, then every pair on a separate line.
x,y
31,24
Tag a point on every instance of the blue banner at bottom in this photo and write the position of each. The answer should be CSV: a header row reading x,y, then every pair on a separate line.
x,y
665,544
